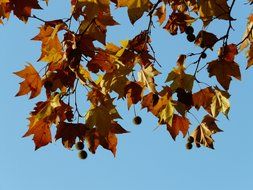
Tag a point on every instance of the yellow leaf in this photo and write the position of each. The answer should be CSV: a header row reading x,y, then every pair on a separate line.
x,y
146,76
166,115
220,103
179,78
136,8
51,48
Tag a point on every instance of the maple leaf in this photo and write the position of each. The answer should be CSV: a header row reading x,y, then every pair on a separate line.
x,y
108,141
220,103
224,70
160,105
101,117
166,114
161,13
41,132
203,98
179,78
60,79
149,101
178,124
185,98
96,26
116,81
146,76
41,119
206,39
32,82
23,9
51,48
102,61
203,133
139,43
82,74
133,92
136,8
157,102
178,21
68,132
213,8
213,101
228,52
94,139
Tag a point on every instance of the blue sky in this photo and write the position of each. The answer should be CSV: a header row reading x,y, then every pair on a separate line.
x,y
146,158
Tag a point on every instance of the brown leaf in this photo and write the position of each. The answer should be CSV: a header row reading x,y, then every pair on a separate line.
x,y
23,9
68,132
206,39
133,92
224,70
185,98
102,61
228,52
203,98
178,124
117,129
94,139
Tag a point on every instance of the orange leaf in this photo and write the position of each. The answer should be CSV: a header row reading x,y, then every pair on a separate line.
x,y
32,82
178,124
43,116
203,98
41,132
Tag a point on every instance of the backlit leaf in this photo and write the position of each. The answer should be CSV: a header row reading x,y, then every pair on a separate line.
x,y
32,81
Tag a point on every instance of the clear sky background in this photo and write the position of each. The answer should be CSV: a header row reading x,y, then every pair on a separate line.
x,y
146,158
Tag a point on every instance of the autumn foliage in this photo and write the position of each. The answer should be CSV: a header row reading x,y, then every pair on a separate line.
x,y
82,58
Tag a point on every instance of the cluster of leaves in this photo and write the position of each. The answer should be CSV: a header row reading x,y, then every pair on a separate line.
x,y
76,60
